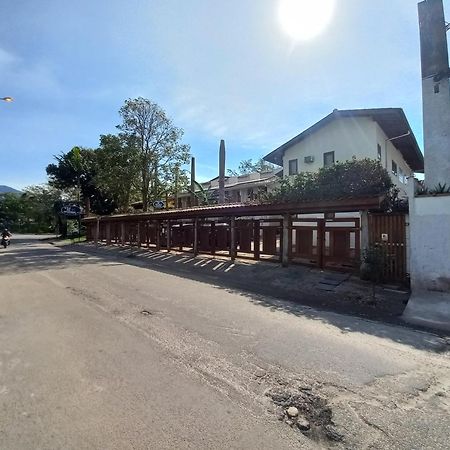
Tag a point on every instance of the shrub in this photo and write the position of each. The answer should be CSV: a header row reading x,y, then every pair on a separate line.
x,y
355,178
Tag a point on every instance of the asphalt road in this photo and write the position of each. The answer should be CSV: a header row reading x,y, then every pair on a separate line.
x,y
98,353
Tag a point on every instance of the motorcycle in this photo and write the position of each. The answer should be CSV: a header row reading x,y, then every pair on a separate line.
x,y
5,241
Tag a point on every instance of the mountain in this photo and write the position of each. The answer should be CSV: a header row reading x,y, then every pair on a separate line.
x,y
6,190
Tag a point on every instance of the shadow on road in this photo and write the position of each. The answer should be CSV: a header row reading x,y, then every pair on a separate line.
x,y
248,280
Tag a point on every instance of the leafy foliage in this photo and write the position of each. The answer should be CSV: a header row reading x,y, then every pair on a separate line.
x,y
247,166
157,141
78,169
355,178
35,211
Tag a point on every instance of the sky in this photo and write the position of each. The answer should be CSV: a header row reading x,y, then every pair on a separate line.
x,y
220,69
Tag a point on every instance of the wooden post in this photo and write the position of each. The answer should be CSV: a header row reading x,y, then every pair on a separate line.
x,y
181,237
97,231
195,245
285,241
108,233
122,233
257,239
158,235
320,242
168,236
138,237
212,238
233,239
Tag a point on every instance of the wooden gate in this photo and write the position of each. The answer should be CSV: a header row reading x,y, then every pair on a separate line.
x,y
388,231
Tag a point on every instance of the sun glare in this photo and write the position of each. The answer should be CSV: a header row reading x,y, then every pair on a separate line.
x,y
305,19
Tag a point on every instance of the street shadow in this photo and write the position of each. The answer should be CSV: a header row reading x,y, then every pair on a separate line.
x,y
24,256
248,280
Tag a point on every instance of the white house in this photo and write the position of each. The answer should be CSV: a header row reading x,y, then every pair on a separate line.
x,y
238,189
382,133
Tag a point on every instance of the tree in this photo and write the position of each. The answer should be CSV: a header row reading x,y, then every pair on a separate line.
x,y
356,178
118,170
247,166
77,170
157,141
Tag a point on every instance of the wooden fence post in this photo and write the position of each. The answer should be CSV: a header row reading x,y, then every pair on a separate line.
x,y
257,239
168,236
122,233
233,238
158,235
97,231
195,244
108,233
285,244
320,242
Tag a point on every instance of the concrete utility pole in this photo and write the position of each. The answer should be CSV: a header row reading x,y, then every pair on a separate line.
x,y
192,181
222,172
435,92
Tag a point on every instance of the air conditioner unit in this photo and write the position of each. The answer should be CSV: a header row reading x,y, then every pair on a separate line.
x,y
309,159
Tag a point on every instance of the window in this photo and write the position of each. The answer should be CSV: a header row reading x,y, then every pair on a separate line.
x,y
293,167
394,168
401,176
379,152
328,159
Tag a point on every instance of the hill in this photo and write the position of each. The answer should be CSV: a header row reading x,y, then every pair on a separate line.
x,y
7,189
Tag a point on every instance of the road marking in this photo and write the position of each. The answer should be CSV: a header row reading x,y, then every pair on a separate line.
x,y
189,260
206,262
230,268
218,266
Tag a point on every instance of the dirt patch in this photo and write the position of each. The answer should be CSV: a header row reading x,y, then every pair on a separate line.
x,y
314,418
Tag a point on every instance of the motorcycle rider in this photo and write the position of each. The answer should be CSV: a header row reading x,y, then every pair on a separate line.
x,y
6,235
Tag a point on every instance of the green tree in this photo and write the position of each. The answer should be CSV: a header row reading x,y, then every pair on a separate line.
x,y
118,170
248,166
76,171
158,143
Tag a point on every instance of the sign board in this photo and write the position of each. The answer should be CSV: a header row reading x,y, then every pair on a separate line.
x,y
159,204
72,210
384,237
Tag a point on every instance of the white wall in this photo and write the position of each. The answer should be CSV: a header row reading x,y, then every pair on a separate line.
x,y
390,153
430,243
348,137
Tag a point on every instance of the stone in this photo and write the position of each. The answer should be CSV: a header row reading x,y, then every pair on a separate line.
x,y
290,422
303,424
292,411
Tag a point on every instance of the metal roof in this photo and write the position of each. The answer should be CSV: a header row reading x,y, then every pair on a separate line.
x,y
392,121
242,209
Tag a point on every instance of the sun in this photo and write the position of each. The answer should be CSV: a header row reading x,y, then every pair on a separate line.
x,y
303,20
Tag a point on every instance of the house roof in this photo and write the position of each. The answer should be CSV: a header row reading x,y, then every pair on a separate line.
x,y
392,121
242,209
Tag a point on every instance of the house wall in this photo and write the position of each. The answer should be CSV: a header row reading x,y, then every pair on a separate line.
x,y
348,137
390,153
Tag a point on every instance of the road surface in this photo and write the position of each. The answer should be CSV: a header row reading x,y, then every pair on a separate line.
x,y
99,353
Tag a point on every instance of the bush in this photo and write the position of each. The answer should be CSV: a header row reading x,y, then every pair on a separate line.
x,y
350,179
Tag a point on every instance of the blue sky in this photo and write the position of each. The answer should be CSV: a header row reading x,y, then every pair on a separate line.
x,y
221,70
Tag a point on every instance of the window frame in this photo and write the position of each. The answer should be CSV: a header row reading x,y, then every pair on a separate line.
x,y
325,156
291,172
394,164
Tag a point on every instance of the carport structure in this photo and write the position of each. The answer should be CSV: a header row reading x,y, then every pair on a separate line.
x,y
324,234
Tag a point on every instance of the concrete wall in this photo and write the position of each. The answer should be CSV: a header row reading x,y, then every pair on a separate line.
x,y
430,248
429,221
348,137
436,125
